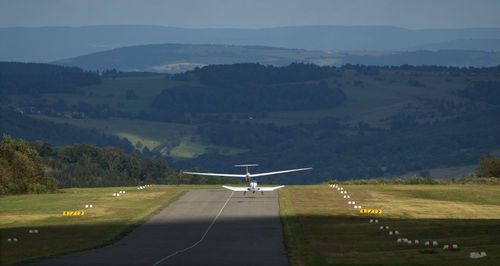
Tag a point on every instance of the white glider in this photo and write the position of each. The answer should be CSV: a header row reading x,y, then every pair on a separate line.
x,y
253,187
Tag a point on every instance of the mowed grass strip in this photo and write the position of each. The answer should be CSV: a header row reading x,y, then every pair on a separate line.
x,y
331,232
110,218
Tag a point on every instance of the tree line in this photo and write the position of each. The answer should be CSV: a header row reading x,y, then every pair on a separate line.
x,y
86,165
34,78
39,167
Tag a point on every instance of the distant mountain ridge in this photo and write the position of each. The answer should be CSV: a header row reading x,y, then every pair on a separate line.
x,y
489,45
45,44
176,58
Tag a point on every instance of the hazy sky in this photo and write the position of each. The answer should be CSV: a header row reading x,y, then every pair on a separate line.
x,y
414,14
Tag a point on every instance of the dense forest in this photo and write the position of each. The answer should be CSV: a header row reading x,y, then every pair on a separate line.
x,y
251,88
30,78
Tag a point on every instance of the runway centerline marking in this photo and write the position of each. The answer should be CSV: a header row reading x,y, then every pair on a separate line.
x,y
201,239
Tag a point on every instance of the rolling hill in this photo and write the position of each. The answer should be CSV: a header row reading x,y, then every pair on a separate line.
x,y
176,58
46,44
349,122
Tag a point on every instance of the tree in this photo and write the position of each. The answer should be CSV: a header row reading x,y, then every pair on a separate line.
x,y
21,170
489,166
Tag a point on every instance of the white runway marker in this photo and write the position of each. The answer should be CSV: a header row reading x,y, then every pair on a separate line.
x,y
477,255
201,239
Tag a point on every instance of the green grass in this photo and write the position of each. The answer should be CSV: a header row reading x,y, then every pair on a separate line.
x,y
298,248
112,92
321,229
110,218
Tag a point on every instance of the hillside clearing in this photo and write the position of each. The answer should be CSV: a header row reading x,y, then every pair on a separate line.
x,y
172,139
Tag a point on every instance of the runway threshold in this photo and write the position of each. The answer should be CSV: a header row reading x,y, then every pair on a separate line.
x,y
203,227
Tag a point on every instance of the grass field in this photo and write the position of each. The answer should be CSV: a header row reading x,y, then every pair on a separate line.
x,y
112,92
319,227
322,229
109,219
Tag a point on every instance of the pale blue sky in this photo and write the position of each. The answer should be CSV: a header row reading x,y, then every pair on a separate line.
x,y
413,14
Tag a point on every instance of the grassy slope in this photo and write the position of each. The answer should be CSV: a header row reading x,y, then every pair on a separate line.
x,y
112,92
376,99
110,218
320,228
150,134
175,140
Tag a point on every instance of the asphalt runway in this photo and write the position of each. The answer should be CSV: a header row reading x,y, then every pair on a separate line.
x,y
247,231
